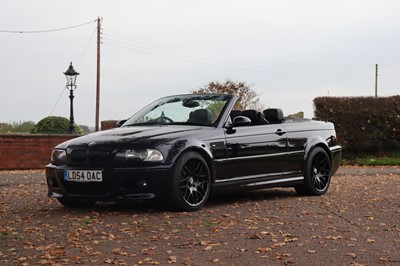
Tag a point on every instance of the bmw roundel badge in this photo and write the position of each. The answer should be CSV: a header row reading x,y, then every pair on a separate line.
x,y
91,144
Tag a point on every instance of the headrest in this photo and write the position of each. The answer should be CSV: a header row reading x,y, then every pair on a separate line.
x,y
273,115
201,116
235,113
252,115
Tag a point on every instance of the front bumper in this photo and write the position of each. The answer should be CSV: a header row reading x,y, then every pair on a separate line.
x,y
117,184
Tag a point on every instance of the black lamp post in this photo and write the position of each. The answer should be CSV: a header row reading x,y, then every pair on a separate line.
x,y
71,75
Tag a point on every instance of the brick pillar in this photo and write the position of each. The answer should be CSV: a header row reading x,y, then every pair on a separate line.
x,y
108,124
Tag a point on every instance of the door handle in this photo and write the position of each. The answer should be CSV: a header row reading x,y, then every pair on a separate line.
x,y
280,132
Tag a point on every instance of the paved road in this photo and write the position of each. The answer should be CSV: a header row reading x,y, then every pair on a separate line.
x,y
356,223
37,176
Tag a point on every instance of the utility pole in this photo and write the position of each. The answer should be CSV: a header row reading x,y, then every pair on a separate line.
x,y
376,81
98,74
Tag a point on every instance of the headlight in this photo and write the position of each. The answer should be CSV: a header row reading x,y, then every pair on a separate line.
x,y
147,155
58,156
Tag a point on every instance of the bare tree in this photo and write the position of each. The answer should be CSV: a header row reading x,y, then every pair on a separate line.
x,y
248,98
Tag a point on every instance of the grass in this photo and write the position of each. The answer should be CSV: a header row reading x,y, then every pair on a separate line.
x,y
210,223
85,221
370,160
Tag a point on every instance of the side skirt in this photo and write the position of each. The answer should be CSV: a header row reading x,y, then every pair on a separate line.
x,y
275,181
259,182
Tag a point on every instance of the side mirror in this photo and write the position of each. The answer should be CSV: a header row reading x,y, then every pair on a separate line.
x,y
121,122
241,121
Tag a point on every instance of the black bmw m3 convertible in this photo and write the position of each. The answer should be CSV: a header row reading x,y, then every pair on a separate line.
x,y
181,148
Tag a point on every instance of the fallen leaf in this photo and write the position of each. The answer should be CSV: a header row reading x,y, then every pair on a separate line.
x,y
172,259
277,245
108,261
262,250
353,255
255,236
208,248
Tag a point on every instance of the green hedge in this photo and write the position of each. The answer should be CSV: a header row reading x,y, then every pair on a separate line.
x,y
52,125
365,125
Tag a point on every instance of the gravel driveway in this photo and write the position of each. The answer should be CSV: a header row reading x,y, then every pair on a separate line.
x,y
356,223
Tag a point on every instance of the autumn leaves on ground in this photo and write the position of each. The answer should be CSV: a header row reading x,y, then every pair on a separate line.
x,y
356,223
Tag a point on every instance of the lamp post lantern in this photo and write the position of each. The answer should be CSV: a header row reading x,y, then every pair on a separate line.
x,y
71,75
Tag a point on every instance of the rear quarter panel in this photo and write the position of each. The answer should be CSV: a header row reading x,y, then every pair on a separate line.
x,y
303,136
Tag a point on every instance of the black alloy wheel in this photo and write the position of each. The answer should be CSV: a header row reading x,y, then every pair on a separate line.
x,y
317,173
191,182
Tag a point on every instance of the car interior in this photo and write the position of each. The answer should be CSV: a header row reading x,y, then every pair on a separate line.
x,y
200,116
268,116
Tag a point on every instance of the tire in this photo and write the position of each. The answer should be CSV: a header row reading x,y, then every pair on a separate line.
x,y
191,182
70,203
317,173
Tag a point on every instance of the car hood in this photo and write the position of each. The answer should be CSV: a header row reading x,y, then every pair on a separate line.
x,y
146,136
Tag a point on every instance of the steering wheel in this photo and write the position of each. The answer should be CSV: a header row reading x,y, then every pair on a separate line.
x,y
163,120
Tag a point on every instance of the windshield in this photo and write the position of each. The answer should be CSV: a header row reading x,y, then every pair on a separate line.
x,y
191,109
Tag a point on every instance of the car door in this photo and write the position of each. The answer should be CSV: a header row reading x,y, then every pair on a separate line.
x,y
253,154
297,136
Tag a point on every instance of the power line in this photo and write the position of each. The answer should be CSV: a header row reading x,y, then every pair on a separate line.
x,y
55,105
80,58
162,46
87,45
45,31
175,52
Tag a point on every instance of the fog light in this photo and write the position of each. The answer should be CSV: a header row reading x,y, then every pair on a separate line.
x,y
142,184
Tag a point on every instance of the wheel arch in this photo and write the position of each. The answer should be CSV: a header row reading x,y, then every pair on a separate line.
x,y
316,177
196,187
317,142
203,151
206,155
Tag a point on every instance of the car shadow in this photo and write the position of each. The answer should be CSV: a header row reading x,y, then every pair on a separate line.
x,y
215,200
159,206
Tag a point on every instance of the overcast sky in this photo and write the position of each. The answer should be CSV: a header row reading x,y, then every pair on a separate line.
x,y
290,51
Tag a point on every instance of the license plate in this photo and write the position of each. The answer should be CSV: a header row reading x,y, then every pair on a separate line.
x,y
83,175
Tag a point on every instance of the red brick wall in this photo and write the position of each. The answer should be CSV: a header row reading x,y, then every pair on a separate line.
x,y
28,151
108,124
